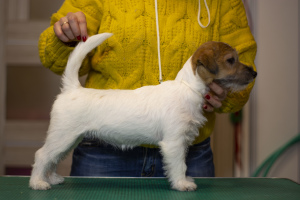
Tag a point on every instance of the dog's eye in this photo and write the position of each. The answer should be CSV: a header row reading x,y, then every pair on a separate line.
x,y
231,60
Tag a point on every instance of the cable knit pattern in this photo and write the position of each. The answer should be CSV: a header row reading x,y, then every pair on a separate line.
x,y
129,60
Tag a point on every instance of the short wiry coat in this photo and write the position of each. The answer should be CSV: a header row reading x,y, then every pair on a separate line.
x,y
168,115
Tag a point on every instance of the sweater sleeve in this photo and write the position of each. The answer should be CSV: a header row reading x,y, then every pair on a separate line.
x,y
52,51
235,31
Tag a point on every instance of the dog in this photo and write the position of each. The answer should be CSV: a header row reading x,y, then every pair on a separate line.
x,y
168,115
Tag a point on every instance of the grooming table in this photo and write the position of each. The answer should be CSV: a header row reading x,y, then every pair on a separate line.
x,y
152,188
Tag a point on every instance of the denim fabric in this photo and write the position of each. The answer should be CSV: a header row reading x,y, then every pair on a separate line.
x,y
103,160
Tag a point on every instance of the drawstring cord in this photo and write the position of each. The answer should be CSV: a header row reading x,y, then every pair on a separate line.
x,y
158,43
199,12
158,36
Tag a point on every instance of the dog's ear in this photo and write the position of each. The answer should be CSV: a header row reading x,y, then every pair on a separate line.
x,y
207,60
204,64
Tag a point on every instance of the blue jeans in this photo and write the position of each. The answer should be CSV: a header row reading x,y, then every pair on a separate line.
x,y
104,160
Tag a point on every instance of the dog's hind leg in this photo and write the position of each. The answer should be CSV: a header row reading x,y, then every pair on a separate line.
x,y
174,153
54,178
58,144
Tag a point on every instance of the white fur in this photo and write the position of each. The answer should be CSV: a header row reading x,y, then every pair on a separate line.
x,y
168,115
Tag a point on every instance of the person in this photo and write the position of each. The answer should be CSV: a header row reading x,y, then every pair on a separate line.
x,y
151,42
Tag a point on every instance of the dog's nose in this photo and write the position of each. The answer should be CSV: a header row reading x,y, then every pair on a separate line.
x,y
254,74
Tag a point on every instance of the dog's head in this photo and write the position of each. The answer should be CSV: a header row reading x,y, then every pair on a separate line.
x,y
219,62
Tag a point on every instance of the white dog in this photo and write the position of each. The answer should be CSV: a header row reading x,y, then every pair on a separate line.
x,y
168,115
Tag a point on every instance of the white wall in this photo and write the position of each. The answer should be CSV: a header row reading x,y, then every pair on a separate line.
x,y
276,94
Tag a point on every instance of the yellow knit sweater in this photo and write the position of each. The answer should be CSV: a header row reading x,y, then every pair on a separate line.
x,y
129,59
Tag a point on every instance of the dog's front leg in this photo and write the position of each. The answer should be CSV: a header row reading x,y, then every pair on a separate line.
x,y
174,153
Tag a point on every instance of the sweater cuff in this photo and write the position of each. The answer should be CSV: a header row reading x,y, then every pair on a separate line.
x,y
236,100
53,52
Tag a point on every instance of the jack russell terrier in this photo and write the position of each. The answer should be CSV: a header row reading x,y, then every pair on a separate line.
x,y
168,115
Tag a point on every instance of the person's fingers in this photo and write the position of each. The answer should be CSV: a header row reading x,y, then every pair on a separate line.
x,y
218,91
81,19
66,28
59,32
71,27
213,100
74,25
208,108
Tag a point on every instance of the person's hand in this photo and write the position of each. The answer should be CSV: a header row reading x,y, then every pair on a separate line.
x,y
71,27
214,97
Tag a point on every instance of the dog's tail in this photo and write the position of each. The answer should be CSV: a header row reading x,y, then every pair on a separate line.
x,y
70,78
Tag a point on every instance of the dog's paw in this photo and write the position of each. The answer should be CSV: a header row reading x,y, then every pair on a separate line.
x,y
185,185
55,179
39,185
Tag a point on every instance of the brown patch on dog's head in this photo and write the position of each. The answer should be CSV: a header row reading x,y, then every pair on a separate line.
x,y
219,62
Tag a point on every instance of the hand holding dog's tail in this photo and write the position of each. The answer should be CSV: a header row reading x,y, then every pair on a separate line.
x,y
70,78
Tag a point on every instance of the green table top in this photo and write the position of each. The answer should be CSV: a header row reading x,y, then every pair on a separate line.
x,y
152,188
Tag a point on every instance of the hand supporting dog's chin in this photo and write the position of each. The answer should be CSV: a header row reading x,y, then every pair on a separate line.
x,y
214,98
